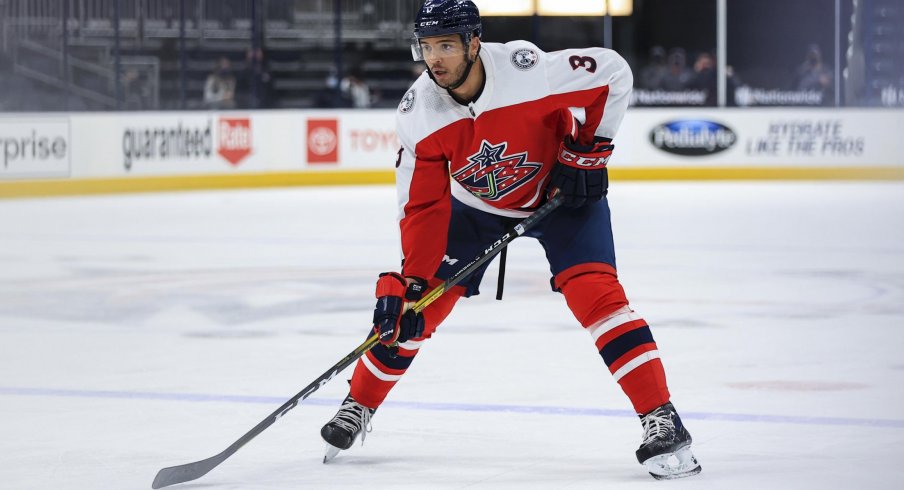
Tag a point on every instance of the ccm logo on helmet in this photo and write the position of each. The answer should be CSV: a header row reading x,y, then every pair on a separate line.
x,y
575,160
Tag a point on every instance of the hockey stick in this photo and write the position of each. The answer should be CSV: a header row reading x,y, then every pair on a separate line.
x,y
192,471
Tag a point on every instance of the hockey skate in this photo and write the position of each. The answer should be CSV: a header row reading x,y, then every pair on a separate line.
x,y
666,446
340,432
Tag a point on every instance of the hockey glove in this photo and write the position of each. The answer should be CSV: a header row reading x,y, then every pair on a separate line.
x,y
580,173
394,321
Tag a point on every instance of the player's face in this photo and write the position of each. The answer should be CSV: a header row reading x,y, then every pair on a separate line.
x,y
446,57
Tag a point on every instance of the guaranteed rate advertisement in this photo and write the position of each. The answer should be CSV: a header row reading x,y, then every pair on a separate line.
x,y
160,146
137,144
185,143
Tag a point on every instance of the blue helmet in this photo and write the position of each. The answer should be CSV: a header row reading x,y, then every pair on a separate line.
x,y
441,17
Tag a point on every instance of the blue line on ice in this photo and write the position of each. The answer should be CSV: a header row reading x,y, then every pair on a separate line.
x,y
454,407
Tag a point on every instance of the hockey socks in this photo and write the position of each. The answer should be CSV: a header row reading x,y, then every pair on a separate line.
x,y
626,345
378,371
621,336
382,367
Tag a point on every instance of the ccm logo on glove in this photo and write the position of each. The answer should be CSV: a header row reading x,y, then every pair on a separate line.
x,y
580,175
598,158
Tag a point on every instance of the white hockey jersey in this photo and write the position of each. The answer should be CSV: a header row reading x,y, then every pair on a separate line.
x,y
496,153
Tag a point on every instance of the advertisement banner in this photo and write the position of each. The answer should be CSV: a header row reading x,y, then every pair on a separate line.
x,y
372,137
363,145
349,140
35,148
179,143
323,141
748,138
234,139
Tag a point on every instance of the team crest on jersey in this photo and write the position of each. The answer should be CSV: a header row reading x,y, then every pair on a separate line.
x,y
491,173
525,59
407,102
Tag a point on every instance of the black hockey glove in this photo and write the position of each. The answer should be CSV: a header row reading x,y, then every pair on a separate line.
x,y
394,321
580,173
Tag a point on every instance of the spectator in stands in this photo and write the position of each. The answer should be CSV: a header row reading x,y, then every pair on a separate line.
x,y
355,90
678,74
812,74
329,96
259,79
219,89
136,91
704,77
651,75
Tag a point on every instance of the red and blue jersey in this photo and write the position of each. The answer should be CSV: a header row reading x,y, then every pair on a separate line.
x,y
496,153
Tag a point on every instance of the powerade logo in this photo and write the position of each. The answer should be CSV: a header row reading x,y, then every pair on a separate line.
x,y
692,137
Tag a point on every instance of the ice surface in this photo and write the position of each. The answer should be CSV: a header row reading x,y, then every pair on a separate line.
x,y
144,331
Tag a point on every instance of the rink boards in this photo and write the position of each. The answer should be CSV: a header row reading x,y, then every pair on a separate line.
x,y
84,153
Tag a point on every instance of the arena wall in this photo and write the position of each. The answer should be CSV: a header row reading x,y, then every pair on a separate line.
x,y
84,153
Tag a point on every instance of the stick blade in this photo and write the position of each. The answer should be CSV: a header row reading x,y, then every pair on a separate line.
x,y
186,472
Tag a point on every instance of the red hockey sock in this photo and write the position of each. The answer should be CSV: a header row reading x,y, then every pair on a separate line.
x,y
622,337
378,371
646,387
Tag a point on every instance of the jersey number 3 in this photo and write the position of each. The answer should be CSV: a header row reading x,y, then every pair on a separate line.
x,y
586,62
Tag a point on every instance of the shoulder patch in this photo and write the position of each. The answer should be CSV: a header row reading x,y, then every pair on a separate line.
x,y
525,58
407,102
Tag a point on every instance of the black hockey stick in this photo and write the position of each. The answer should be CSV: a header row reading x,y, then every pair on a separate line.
x,y
193,471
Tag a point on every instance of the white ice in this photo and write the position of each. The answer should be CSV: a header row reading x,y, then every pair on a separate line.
x,y
145,331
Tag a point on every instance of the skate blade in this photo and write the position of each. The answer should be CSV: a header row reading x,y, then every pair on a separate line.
x,y
331,452
679,464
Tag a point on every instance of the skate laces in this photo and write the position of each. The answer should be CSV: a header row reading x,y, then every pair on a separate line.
x,y
657,424
353,417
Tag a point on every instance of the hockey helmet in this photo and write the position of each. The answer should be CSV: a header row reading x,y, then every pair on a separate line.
x,y
442,17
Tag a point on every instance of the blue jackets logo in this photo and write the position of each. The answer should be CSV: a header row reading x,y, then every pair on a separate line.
x,y
692,137
491,173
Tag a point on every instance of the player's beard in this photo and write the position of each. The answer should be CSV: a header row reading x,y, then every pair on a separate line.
x,y
457,77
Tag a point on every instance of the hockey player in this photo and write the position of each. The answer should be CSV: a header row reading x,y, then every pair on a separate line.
x,y
510,124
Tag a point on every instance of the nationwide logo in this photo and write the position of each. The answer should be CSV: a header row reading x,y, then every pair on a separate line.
x,y
746,96
234,139
492,174
691,137
323,141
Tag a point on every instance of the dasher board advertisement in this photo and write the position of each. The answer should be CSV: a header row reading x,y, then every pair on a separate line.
x,y
35,148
